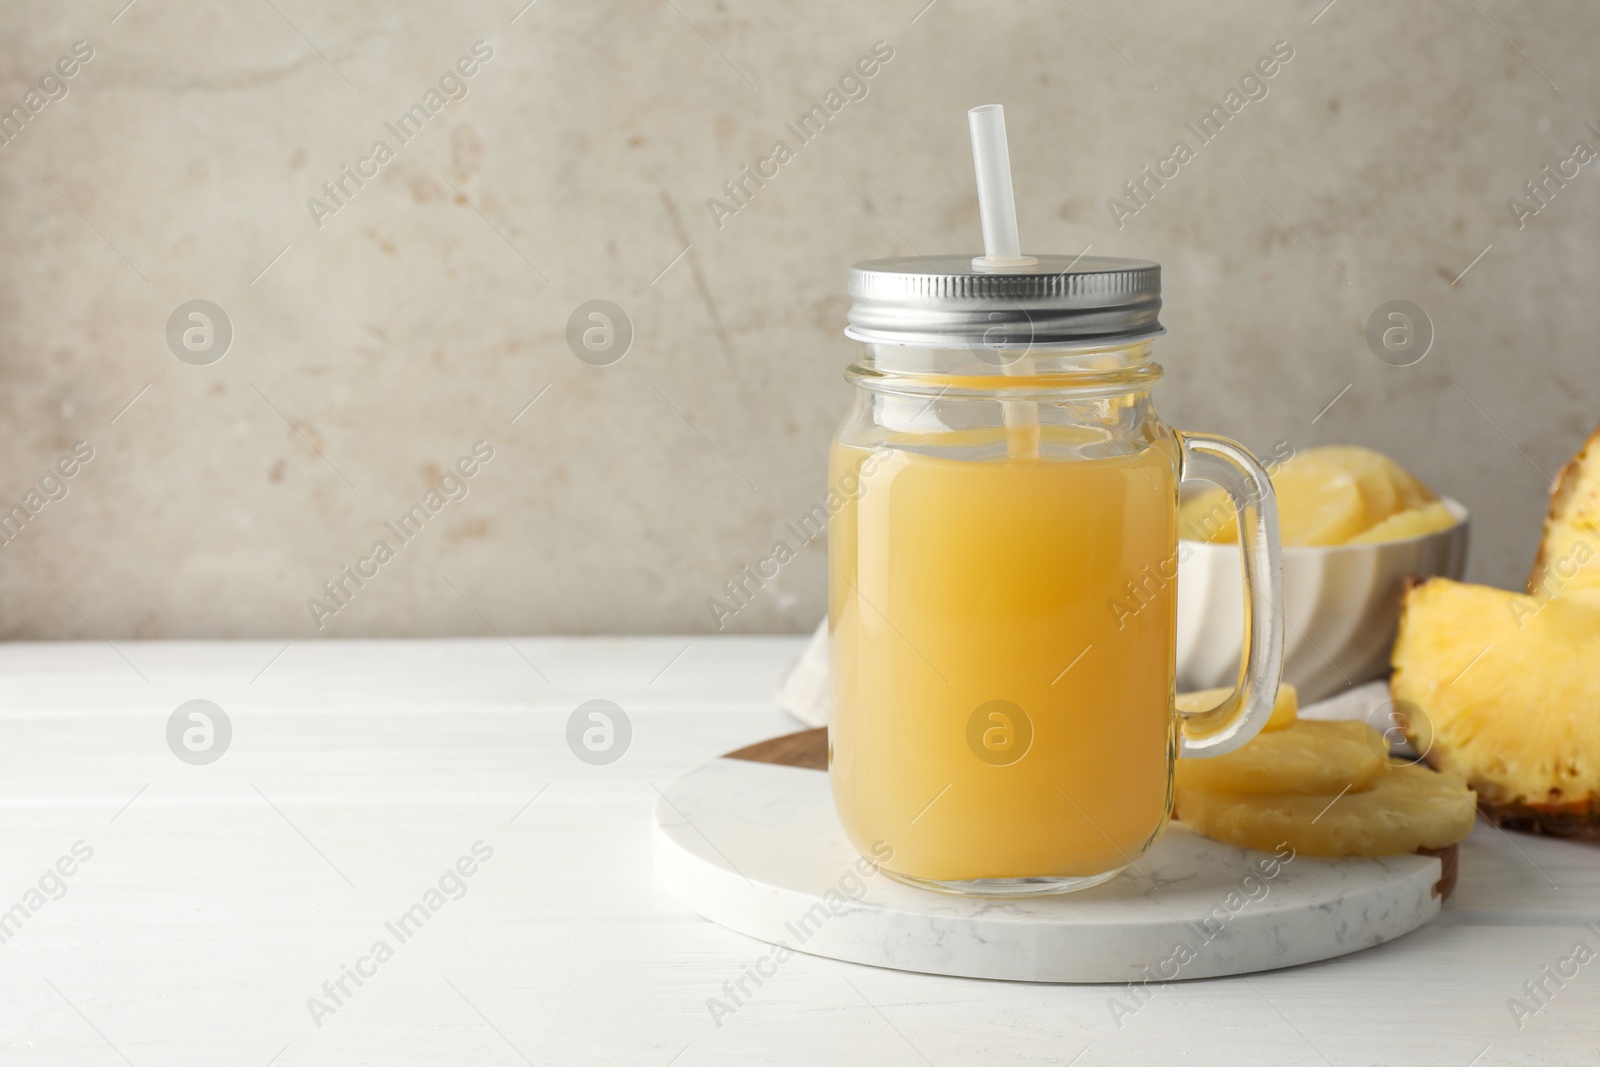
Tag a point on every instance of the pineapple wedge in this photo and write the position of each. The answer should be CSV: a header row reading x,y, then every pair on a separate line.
x,y
1320,758
1571,544
1284,709
1407,808
1509,689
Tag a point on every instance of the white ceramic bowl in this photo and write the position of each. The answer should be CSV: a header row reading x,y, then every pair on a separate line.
x,y
1341,606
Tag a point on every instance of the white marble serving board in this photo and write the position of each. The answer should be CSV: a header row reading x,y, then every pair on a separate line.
x,y
756,847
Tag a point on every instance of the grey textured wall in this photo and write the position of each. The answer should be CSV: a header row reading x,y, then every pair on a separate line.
x,y
425,313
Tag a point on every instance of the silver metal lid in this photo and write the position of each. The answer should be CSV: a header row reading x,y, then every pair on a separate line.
x,y
944,302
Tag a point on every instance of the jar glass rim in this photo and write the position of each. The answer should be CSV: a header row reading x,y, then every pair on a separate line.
x,y
1061,372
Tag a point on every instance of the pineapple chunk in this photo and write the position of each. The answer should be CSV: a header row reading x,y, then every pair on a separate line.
x,y
1406,809
1326,496
1571,543
1307,757
1509,689
1284,709
1412,522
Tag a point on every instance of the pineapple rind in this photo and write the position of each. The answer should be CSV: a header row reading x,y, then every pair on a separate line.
x,y
1569,552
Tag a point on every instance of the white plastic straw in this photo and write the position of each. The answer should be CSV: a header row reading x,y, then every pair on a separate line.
x,y
997,205
997,208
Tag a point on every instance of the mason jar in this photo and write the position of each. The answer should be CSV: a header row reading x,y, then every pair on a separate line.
x,y
1003,576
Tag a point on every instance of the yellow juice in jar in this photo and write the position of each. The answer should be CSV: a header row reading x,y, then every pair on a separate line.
x,y
961,590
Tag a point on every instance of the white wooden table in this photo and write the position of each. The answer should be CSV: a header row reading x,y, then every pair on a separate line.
x,y
219,898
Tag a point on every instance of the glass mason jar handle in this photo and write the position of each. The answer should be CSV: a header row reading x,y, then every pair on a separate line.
x,y
1246,710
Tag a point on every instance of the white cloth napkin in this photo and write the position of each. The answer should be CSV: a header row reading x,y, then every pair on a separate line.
x,y
804,691
805,694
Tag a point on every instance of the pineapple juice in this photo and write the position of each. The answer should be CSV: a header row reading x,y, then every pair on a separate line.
x,y
1002,700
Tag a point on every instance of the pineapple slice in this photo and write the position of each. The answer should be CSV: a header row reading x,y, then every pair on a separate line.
x,y
1326,496
1208,516
1402,491
1373,472
1307,757
1571,543
1411,491
1509,690
1320,504
1284,709
1412,522
1287,784
1407,808
1317,505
